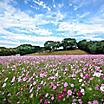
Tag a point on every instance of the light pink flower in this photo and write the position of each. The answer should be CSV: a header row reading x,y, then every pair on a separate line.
x,y
89,102
24,79
42,75
69,92
54,87
52,98
72,85
65,84
95,102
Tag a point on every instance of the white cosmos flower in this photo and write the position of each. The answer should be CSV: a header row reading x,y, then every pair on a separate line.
x,y
56,74
13,79
31,95
19,79
97,74
80,80
4,85
34,83
46,95
83,84
5,79
102,88
83,91
42,82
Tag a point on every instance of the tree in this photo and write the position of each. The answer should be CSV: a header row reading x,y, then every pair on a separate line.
x,y
56,45
27,49
51,45
100,47
82,44
92,46
69,43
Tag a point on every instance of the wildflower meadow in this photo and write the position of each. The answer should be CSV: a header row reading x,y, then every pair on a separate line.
x,y
53,79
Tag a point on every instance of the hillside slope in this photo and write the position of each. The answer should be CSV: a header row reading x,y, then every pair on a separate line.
x,y
68,52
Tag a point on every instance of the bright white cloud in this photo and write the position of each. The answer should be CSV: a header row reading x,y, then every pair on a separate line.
x,y
81,27
34,29
16,18
41,3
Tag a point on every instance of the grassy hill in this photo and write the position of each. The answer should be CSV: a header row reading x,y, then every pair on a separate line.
x,y
68,52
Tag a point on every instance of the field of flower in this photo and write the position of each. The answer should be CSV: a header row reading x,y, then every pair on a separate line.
x,y
60,79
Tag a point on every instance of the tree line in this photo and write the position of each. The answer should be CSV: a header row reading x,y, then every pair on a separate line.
x,y
93,47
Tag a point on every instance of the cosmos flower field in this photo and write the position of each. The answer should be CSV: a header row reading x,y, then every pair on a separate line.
x,y
60,79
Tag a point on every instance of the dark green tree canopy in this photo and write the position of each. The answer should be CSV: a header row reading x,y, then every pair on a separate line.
x,y
69,43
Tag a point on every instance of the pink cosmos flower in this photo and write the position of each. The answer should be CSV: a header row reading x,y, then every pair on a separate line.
x,y
86,76
46,102
97,87
89,102
24,79
42,75
65,84
79,94
64,91
60,96
95,102
84,69
41,99
52,98
69,92
54,87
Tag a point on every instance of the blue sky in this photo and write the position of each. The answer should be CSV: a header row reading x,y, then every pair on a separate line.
x,y
36,21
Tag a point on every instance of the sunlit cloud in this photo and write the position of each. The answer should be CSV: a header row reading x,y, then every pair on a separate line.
x,y
36,21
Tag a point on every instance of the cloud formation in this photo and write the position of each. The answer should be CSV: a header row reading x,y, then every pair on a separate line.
x,y
36,21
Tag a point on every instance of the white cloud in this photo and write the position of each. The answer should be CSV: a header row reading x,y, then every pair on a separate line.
x,y
6,42
12,36
59,16
81,27
25,24
31,39
43,32
16,18
41,3
77,4
83,15
22,22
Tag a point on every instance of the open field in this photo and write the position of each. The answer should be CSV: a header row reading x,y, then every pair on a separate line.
x,y
69,52
53,79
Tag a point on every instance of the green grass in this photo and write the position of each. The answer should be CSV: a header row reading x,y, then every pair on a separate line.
x,y
68,52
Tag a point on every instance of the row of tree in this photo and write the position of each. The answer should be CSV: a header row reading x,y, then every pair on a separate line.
x,y
95,47
21,50
65,44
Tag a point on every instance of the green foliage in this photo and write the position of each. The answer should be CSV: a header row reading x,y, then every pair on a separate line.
x,y
96,47
7,51
27,48
82,44
51,45
69,43
93,47
22,50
